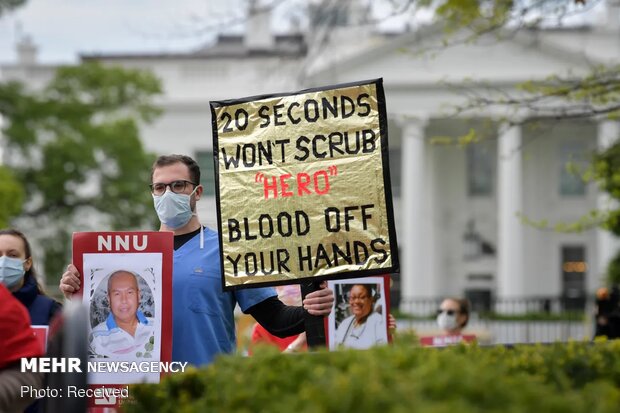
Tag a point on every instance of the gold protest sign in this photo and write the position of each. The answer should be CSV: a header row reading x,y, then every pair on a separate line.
x,y
303,186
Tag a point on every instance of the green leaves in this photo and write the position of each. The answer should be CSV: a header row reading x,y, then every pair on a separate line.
x,y
592,219
75,148
11,196
606,167
566,377
478,16
613,270
92,88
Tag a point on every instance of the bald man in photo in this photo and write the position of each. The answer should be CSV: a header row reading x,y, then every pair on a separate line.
x,y
126,331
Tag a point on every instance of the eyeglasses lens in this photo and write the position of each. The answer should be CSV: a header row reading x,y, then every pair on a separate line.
x,y
178,187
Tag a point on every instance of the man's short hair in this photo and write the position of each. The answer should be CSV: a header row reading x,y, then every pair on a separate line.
x,y
166,160
122,272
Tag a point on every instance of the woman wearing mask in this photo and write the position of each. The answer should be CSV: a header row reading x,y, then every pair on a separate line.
x,y
18,276
453,315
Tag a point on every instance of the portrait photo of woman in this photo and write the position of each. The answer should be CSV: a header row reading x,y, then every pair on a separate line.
x,y
360,316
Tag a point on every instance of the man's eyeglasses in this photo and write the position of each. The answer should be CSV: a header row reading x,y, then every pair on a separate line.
x,y
449,312
178,187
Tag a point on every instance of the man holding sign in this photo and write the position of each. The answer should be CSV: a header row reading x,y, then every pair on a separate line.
x,y
203,314
303,188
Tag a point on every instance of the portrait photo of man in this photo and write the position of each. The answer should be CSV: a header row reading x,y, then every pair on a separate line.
x,y
126,331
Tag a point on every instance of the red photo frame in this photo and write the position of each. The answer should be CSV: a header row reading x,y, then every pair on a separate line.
x,y
102,253
342,329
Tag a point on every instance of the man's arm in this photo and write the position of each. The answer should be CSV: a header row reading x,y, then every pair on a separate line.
x,y
279,319
285,321
70,281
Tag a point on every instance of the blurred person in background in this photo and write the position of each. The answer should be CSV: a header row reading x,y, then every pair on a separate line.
x,y
289,295
17,340
18,275
453,315
607,313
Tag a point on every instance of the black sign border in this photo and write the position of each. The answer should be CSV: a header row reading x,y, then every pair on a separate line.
x,y
387,188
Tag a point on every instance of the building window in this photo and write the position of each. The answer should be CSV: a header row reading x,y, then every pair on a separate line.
x,y
207,173
395,170
474,245
479,169
480,299
572,164
573,269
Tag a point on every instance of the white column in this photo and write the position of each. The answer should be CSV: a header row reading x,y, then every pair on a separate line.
x,y
416,280
607,243
510,279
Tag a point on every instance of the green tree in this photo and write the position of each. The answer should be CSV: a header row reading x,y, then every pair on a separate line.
x,y
607,171
11,196
594,94
75,148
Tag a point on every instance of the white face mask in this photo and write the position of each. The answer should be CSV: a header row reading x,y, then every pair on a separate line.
x,y
447,322
173,210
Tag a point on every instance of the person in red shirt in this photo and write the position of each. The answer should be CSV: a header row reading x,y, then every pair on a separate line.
x,y
17,340
289,295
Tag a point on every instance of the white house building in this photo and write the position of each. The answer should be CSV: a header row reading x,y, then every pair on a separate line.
x,y
459,209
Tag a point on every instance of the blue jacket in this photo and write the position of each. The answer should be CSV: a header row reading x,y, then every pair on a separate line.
x,y
41,308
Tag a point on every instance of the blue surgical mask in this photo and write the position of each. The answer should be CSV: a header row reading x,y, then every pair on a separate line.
x,y
173,210
11,271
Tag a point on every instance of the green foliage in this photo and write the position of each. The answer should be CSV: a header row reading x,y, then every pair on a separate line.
x,y
564,96
567,378
591,219
11,196
476,15
594,94
472,136
598,90
607,172
613,270
76,150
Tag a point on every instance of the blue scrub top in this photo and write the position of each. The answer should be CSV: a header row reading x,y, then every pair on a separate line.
x,y
203,314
